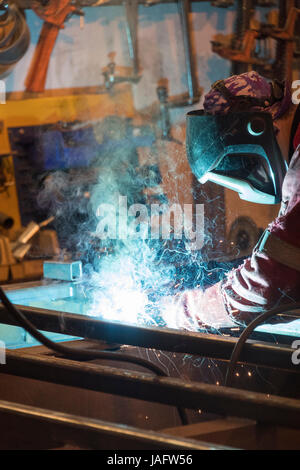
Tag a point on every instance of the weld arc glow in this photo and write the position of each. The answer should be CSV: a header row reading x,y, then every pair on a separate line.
x,y
129,279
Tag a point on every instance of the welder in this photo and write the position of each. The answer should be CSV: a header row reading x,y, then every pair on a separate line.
x,y
247,138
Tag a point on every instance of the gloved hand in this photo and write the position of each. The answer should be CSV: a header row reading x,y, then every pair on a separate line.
x,y
194,309
266,280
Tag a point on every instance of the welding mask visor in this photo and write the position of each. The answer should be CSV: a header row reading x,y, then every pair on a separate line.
x,y
238,151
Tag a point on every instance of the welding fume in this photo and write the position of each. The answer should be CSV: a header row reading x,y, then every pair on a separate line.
x,y
247,138
149,226
94,199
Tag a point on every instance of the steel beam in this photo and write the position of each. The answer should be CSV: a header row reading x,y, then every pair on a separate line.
x,y
205,345
166,390
51,428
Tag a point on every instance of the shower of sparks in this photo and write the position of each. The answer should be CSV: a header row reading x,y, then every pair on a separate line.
x,y
134,280
134,285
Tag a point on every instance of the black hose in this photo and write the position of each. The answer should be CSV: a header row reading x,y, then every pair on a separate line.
x,y
80,355
248,331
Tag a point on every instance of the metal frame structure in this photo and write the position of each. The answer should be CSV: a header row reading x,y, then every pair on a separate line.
x,y
36,363
48,368
203,344
56,429
219,400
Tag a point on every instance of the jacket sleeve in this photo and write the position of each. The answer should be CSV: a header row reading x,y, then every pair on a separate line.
x,y
266,279
263,281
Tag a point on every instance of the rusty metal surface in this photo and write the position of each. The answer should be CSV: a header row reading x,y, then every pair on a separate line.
x,y
166,390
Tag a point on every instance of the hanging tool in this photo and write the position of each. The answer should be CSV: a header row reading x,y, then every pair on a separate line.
x,y
63,270
109,72
54,13
111,78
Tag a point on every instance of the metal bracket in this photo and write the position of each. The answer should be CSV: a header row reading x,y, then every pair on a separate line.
x,y
63,271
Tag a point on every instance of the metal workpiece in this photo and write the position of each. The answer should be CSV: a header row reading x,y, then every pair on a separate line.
x,y
200,344
224,401
63,270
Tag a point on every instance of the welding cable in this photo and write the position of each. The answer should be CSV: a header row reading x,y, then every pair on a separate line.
x,y
81,355
237,350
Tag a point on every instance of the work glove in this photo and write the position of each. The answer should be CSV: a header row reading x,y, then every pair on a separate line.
x,y
194,309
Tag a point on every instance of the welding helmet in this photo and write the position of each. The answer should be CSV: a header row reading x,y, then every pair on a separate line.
x,y
239,151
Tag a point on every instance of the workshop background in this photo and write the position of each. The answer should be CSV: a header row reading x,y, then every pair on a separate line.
x,y
83,48
166,69
105,116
